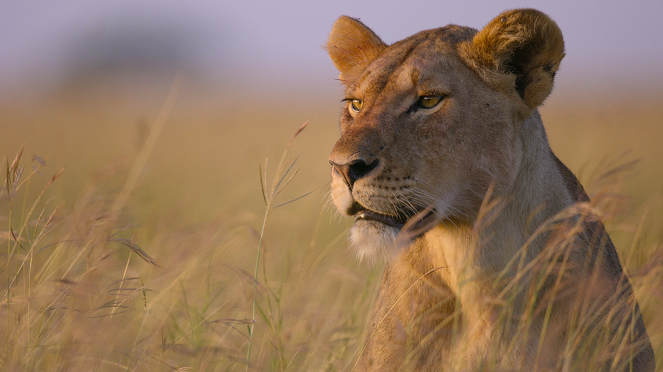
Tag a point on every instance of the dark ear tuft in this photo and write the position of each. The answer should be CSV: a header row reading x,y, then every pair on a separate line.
x,y
352,47
523,43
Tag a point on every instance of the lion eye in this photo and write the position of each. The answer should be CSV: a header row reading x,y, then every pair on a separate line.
x,y
429,102
356,105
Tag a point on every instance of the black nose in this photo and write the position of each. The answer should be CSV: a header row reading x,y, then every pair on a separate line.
x,y
354,170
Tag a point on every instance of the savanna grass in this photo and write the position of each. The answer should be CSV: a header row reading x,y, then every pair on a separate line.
x,y
88,287
85,288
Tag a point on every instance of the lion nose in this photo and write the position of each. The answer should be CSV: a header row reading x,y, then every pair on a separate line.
x,y
354,170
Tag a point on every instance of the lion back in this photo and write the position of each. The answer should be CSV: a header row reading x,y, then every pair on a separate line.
x,y
624,316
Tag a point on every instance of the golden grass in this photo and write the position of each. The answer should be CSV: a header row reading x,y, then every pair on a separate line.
x,y
81,291
190,266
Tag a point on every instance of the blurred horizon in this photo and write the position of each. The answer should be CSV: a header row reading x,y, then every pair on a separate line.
x,y
253,45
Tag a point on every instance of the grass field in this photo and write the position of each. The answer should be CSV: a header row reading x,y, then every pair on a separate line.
x,y
125,247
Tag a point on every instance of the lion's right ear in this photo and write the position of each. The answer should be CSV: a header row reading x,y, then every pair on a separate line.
x,y
524,45
352,47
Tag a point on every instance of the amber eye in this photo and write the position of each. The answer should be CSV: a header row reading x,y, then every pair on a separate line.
x,y
356,105
429,102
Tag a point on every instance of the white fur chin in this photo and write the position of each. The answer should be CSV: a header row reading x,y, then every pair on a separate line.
x,y
373,241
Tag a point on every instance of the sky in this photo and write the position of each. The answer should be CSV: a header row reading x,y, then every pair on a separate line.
x,y
276,42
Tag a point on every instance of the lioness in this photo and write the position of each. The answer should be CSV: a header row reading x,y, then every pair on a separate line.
x,y
494,261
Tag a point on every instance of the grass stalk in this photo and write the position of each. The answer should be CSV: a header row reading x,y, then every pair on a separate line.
x,y
268,197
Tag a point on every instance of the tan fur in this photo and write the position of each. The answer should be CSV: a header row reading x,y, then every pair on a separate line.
x,y
526,42
351,46
491,262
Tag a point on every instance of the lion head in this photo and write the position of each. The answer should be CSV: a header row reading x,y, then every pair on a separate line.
x,y
432,122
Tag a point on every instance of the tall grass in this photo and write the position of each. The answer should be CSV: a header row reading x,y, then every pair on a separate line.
x,y
87,290
91,284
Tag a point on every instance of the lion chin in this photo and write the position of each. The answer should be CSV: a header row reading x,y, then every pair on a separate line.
x,y
374,242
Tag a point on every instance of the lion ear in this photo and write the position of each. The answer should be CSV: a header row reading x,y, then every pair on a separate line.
x,y
523,43
352,47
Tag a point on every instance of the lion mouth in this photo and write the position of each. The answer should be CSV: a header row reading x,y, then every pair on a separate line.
x,y
368,215
410,227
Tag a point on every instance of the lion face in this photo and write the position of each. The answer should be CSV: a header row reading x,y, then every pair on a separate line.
x,y
423,133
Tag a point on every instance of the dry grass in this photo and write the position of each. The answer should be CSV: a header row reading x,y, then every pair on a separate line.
x,y
81,291
181,264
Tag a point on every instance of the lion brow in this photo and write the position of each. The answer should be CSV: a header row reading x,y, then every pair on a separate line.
x,y
414,76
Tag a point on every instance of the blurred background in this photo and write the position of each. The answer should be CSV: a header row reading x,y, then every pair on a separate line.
x,y
81,86
80,81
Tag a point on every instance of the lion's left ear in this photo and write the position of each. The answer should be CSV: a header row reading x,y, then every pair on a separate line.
x,y
523,43
352,47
